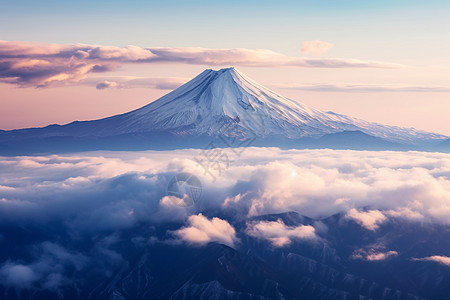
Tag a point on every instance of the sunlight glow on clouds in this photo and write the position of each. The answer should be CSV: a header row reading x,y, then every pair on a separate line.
x,y
279,234
373,254
29,64
99,189
100,193
201,230
443,260
369,219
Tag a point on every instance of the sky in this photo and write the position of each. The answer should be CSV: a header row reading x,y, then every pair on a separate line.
x,y
383,61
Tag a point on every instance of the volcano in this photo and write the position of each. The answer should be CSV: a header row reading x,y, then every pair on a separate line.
x,y
217,104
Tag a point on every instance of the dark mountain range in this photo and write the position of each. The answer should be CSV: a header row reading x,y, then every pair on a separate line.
x,y
347,261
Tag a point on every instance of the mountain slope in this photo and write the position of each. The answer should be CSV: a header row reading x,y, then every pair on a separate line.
x,y
444,146
218,98
336,266
225,103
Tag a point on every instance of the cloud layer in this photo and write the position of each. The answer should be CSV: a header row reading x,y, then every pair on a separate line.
x,y
96,194
360,88
115,189
42,65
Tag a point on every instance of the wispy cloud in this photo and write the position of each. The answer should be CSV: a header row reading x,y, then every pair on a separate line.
x,y
316,47
258,58
361,88
377,253
42,65
168,83
443,260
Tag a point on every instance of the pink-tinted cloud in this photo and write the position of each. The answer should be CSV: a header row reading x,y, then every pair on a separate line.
x,y
443,260
368,219
258,58
316,47
202,230
279,234
315,183
373,254
42,65
105,84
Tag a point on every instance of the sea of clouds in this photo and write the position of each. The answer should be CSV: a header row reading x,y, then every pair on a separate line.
x,y
103,190
93,192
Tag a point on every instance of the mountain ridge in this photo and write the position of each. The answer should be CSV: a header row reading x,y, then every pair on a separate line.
x,y
326,268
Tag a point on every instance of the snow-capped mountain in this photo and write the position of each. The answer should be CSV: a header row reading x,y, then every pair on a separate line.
x,y
225,103
215,99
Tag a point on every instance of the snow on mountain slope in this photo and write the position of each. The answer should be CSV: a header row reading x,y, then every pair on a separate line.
x,y
216,99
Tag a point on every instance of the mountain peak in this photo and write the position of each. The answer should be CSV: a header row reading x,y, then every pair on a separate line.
x,y
224,70
230,71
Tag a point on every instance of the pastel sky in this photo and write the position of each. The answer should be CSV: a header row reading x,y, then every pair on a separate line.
x,y
384,61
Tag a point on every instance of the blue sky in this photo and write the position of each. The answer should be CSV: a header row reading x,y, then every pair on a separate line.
x,y
364,28
242,23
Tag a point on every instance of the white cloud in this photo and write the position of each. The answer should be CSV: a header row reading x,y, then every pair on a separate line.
x,y
201,230
128,53
107,190
373,254
368,219
279,234
405,213
96,193
172,208
443,260
316,47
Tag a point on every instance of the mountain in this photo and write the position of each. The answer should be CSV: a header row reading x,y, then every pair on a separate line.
x,y
221,104
444,146
346,262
